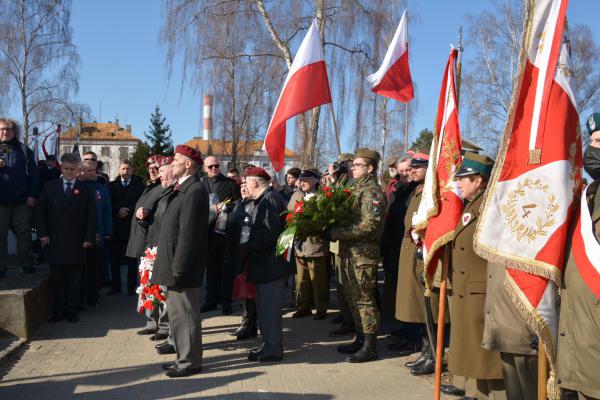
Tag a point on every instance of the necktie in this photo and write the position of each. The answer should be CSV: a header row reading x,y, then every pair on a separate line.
x,y
125,183
69,190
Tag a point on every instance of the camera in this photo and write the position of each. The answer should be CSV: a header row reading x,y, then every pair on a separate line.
x,y
340,168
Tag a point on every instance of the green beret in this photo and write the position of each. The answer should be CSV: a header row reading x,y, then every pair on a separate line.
x,y
475,164
367,153
345,157
593,123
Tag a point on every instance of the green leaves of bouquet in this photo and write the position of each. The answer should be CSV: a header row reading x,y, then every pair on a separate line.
x,y
328,208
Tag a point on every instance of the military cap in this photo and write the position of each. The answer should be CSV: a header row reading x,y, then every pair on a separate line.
x,y
345,157
475,164
593,123
258,172
419,159
367,153
189,152
153,159
165,160
295,172
468,146
392,161
309,173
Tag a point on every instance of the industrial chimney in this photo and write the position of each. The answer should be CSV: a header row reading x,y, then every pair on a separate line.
x,y
208,118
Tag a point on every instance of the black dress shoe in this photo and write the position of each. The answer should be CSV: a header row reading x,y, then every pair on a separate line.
x,y
146,331
320,315
72,319
269,358
160,345
56,318
302,313
166,349
159,336
452,390
181,373
425,368
168,366
347,329
247,333
208,307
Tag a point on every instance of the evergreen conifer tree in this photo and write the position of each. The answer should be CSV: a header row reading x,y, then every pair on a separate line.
x,y
159,136
138,159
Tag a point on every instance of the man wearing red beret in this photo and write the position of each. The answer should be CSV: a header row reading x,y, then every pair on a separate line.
x,y
181,260
265,269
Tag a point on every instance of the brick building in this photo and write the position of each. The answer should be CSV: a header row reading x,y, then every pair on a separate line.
x,y
111,142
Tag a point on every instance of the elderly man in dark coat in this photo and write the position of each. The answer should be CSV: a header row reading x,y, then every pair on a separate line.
x,y
66,222
265,269
181,260
219,281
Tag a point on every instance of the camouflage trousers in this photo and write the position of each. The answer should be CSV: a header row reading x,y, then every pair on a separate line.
x,y
359,281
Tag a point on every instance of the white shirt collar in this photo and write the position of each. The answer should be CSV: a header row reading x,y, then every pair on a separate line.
x,y
182,179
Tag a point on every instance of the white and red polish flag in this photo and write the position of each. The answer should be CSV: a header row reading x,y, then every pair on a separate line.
x,y
441,203
586,249
305,87
533,193
393,78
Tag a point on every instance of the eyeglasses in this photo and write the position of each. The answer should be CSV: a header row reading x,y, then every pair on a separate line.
x,y
356,165
214,166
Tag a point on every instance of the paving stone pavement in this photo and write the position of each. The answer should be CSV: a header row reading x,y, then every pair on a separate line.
x,y
102,357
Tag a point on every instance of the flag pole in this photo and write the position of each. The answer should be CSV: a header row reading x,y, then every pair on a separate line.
x,y
542,372
439,351
406,126
459,65
337,132
439,348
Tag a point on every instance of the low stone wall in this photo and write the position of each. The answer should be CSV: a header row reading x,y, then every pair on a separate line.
x,y
24,301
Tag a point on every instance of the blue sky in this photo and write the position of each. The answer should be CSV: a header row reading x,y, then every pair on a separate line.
x,y
123,65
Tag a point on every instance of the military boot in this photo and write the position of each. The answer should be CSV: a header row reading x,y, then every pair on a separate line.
x,y
425,353
368,352
353,347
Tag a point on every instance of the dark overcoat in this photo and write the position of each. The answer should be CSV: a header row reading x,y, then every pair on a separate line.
x,y
68,220
124,197
181,256
138,236
224,187
410,303
467,303
264,265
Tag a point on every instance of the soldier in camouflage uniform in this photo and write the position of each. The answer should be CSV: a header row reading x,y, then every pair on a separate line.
x,y
359,253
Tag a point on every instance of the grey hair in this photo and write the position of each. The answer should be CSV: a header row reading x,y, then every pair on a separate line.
x,y
14,125
261,181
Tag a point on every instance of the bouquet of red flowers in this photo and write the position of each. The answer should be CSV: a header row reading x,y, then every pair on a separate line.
x,y
317,213
150,296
